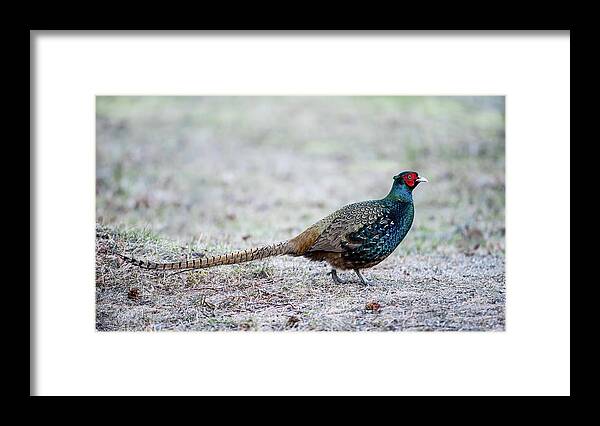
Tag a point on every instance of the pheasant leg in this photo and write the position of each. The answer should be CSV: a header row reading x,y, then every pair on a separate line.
x,y
335,277
362,279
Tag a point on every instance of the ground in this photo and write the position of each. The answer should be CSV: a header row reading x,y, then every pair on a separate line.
x,y
184,177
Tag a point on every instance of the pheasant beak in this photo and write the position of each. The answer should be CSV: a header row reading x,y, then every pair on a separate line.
x,y
421,179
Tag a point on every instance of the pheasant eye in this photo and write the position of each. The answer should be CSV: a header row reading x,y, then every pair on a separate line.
x,y
408,179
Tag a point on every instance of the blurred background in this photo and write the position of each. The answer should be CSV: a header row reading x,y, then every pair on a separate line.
x,y
242,171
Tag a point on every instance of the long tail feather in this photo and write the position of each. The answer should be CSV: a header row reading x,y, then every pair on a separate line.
x,y
210,261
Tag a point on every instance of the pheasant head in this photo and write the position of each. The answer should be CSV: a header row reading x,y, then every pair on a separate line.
x,y
404,184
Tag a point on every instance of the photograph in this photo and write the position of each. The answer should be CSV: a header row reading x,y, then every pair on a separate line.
x,y
300,213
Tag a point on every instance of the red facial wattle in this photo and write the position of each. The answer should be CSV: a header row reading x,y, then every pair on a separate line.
x,y
410,179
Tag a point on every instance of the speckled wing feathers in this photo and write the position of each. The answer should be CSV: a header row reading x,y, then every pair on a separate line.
x,y
359,235
347,221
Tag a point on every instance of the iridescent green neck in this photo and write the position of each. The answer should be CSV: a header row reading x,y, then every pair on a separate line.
x,y
400,192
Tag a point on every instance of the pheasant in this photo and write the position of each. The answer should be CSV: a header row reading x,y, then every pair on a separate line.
x,y
355,237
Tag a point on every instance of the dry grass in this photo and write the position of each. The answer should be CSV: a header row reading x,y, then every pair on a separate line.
x,y
417,293
181,177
